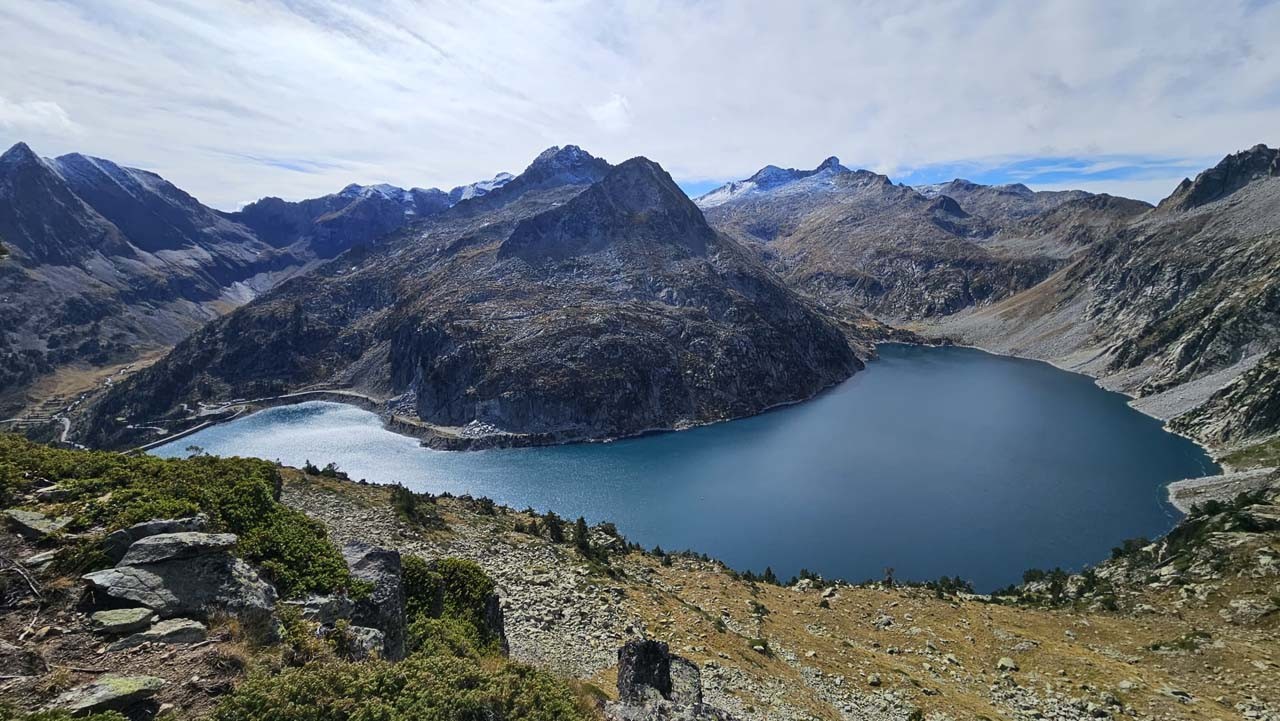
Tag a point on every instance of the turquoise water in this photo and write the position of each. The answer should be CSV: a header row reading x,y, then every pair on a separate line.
x,y
934,461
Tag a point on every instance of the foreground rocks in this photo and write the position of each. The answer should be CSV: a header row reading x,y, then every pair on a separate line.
x,y
383,608
34,526
108,693
187,574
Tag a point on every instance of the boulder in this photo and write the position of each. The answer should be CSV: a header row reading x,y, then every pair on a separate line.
x,y
117,543
108,693
1006,664
656,685
34,526
383,608
494,623
172,546
324,610
20,661
190,587
644,669
119,621
174,630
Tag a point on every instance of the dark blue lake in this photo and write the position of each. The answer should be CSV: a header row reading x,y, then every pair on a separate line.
x,y
935,461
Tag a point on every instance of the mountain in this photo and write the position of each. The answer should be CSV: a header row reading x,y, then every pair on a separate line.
x,y
580,300
326,226
475,190
1178,305
855,240
106,262
109,262
1000,203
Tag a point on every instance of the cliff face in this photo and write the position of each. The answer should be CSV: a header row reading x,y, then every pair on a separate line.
x,y
1170,304
577,301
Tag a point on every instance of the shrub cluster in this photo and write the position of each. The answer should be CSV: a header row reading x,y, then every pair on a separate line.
x,y
106,491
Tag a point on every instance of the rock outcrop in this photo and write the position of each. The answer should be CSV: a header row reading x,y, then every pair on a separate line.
x,y
118,542
32,525
383,608
656,685
108,693
187,574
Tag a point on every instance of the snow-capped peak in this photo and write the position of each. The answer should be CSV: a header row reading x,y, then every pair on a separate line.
x,y
771,177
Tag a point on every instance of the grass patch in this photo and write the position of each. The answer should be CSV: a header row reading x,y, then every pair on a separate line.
x,y
1260,455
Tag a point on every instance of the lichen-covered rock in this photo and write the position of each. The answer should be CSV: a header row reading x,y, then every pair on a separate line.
x,y
190,587
108,693
173,546
117,621
117,543
383,608
174,630
34,526
324,610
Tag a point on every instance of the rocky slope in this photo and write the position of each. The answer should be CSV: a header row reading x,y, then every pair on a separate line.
x,y
1174,305
854,240
579,300
1181,629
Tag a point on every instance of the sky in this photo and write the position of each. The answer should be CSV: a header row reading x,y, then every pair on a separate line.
x,y
236,100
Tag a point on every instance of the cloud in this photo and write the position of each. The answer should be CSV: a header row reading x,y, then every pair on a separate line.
x,y
613,115
40,116
442,92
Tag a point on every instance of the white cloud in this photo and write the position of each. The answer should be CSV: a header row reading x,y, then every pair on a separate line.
x,y
243,98
41,116
613,115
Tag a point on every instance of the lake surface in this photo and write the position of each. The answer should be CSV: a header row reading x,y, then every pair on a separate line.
x,y
934,461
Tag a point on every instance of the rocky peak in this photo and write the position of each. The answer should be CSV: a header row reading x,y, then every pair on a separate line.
x,y
568,165
1233,173
19,154
635,203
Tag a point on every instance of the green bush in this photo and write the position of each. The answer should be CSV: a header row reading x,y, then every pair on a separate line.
x,y
420,688
444,604
240,495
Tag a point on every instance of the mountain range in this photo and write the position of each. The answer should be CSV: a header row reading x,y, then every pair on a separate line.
x,y
583,300
580,300
108,262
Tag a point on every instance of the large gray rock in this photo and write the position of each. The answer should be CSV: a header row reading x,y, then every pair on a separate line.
x,y
324,610
174,630
656,685
118,621
108,693
383,608
171,546
644,669
34,526
117,543
190,587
